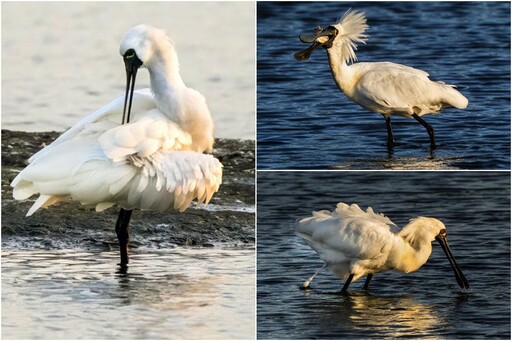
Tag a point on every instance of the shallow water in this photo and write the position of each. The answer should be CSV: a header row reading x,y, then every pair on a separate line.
x,y
304,122
428,303
55,72
181,293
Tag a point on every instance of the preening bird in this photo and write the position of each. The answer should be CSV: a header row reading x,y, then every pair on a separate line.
x,y
144,150
354,243
382,87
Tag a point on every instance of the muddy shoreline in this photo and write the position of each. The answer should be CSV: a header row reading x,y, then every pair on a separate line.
x,y
228,221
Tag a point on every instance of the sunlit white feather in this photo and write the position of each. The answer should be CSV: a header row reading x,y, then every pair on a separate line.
x,y
153,162
352,241
384,87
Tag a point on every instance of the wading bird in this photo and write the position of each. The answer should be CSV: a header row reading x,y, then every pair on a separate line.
x,y
354,243
144,150
382,87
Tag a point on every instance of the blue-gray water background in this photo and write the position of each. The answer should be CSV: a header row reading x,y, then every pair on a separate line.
x,y
305,122
54,72
428,303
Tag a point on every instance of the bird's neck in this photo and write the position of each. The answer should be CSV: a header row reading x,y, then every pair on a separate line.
x,y
173,99
412,250
167,84
341,72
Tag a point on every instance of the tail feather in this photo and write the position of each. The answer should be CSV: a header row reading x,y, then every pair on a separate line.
x,y
22,189
44,201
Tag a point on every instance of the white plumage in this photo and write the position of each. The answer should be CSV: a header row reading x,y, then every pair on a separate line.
x,y
382,87
394,89
154,162
354,243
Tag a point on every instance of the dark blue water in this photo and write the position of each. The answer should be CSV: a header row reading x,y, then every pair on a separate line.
x,y
428,303
305,122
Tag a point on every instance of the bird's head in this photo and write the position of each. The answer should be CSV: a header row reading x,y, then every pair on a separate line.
x,y
431,226
422,230
434,229
141,43
143,46
344,35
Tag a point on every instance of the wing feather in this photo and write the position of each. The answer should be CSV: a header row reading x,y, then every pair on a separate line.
x,y
347,233
394,88
144,137
109,115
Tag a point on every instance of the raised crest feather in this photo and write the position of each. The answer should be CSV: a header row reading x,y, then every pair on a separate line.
x,y
351,27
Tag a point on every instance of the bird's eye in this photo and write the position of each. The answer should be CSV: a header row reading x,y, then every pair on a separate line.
x,y
129,54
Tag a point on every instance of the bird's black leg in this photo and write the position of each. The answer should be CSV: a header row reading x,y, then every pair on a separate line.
x,y
367,283
391,139
347,283
429,128
123,234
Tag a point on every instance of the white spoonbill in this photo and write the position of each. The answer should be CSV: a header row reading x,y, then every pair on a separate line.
x,y
354,243
144,150
383,87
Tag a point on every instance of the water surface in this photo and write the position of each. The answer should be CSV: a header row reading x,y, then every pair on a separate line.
x,y
182,293
305,122
55,72
428,303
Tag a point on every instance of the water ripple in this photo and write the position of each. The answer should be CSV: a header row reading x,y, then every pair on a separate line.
x,y
178,293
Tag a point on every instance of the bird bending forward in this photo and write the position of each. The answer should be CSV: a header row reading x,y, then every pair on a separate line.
x,y
354,243
144,150
382,87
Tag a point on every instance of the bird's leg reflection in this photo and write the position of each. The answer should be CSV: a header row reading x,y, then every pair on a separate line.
x,y
124,291
122,273
431,154
460,300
